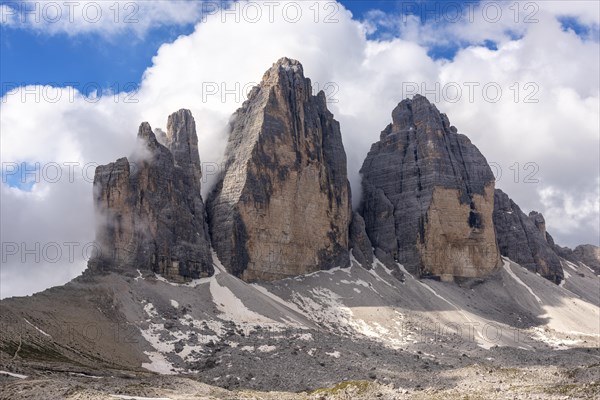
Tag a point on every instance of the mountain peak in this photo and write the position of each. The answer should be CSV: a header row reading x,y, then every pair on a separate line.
x,y
418,111
285,71
182,141
145,133
181,128
289,63
282,207
428,196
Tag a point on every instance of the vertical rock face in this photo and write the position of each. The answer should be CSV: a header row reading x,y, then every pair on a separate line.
x,y
152,214
428,196
523,238
589,255
282,205
586,253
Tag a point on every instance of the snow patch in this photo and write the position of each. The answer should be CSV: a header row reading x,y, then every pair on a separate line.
x,y
38,329
586,266
13,374
358,282
159,364
482,342
163,340
233,309
335,354
519,281
266,348
193,283
545,336
403,270
150,310
567,276
85,375
278,299
305,336
326,309
570,265
373,272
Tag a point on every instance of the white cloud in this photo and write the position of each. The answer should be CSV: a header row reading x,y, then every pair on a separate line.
x,y
450,23
570,211
106,18
559,133
587,12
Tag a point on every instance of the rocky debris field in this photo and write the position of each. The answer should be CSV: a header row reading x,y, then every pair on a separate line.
x,y
347,333
489,379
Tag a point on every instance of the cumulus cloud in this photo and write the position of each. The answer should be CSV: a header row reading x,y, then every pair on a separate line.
x,y
453,23
551,143
105,18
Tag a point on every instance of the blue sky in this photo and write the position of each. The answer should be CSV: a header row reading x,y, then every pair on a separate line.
x,y
91,60
29,57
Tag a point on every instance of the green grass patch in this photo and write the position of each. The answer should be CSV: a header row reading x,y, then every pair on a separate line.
x,y
357,387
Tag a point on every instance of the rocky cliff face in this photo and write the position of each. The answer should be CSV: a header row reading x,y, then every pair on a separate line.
x,y
152,214
589,255
523,238
586,253
282,206
428,196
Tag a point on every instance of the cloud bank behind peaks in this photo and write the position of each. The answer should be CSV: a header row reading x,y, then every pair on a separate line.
x,y
364,77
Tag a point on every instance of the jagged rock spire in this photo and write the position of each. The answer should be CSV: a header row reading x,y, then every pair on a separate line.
x,y
151,212
182,140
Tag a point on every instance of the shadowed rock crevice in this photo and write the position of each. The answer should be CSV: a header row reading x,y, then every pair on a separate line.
x,y
361,246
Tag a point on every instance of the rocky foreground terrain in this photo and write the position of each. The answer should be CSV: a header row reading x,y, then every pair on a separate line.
x,y
437,287
341,334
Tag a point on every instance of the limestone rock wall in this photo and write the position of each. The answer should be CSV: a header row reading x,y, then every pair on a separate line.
x,y
152,216
428,196
282,205
589,255
523,238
